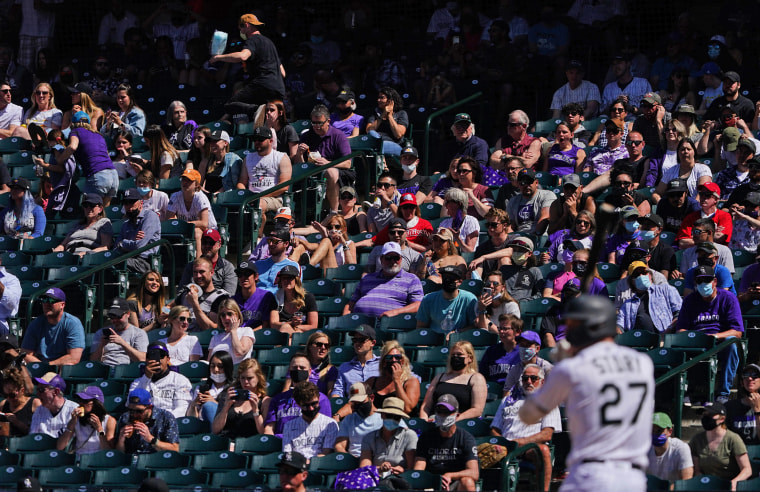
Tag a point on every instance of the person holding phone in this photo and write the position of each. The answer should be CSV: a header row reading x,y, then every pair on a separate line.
x,y
122,342
171,390
208,392
240,409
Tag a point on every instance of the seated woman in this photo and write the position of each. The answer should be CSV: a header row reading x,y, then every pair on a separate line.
x,y
42,113
182,347
389,120
178,129
236,340
740,413
121,158
462,380
89,424
466,227
396,379
165,161
242,407
22,218
201,146
564,156
296,309
564,242
206,395
451,178
191,205
335,248
152,199
443,252
323,374
479,196
18,405
221,169
93,233
147,300
391,448
81,100
129,117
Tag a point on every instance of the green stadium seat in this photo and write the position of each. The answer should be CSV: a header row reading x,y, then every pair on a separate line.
x,y
237,479
38,369
260,444
477,337
641,340
749,485
266,463
608,271
430,211
27,272
39,245
398,323
107,386
63,476
127,373
422,480
182,477
321,289
339,355
333,463
476,427
220,461
8,458
194,370
203,444
14,258
123,477
473,286
115,404
51,458
10,475
162,460
31,443
9,244
104,459
269,338
702,482
57,259
345,273
85,371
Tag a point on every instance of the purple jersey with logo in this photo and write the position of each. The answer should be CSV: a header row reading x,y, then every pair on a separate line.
x,y
256,309
717,315
283,408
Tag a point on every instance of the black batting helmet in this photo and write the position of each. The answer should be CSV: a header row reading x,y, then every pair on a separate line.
x,y
597,316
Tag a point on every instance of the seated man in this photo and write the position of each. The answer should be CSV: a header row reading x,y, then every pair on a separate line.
x,y
364,365
447,450
652,307
362,420
223,276
294,468
529,211
145,428
389,291
578,91
11,115
709,194
141,228
528,346
411,181
203,304
493,365
467,144
386,202
54,413
268,268
56,337
573,114
170,390
703,231
449,309
255,304
707,255
506,423
488,253
283,407
669,457
121,343
312,434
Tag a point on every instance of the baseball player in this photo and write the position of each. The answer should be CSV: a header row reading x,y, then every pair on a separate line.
x,y
608,391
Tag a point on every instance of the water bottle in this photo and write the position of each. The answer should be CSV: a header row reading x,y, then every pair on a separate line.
x,y
447,324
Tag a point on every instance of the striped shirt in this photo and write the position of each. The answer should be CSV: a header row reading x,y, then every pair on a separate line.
x,y
377,293
587,91
635,90
603,159
511,427
309,439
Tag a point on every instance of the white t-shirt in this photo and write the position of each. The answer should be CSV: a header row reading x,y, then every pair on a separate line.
x,y
469,225
180,352
200,203
43,422
505,308
10,115
221,341
263,172
673,460
47,118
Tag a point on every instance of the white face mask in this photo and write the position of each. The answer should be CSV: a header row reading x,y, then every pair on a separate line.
x,y
243,36
218,377
445,423
408,169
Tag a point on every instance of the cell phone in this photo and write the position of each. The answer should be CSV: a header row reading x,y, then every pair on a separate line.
x,y
487,291
241,395
109,332
3,417
204,387
154,355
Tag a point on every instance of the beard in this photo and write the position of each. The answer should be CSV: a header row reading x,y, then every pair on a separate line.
x,y
392,270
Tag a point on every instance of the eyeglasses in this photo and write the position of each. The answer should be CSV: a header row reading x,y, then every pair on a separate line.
x,y
704,280
318,123
582,222
646,106
514,124
751,375
699,231
273,240
385,185
392,258
532,379
346,197
492,284
705,194
492,225
464,171
182,319
334,227
635,143
41,93
623,183
5,91
618,110
321,345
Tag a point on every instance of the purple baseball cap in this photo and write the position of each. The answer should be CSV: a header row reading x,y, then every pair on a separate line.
x,y
90,393
531,336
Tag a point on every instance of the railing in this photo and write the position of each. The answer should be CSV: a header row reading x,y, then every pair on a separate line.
x,y
678,372
284,184
100,269
447,109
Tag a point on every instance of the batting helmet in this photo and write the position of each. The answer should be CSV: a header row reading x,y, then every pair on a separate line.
x,y
597,316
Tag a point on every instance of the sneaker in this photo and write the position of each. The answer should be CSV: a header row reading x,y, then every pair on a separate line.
x,y
722,399
686,401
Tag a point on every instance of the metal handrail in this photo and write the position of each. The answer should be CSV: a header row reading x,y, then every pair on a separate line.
x,y
447,109
101,268
246,202
677,371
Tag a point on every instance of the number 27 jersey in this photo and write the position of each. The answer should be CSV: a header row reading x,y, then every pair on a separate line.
x,y
608,391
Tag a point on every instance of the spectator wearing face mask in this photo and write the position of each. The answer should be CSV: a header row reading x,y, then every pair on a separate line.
x,y
652,307
528,345
363,420
449,309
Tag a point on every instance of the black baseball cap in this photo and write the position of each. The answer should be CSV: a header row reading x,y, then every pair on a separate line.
x,y
364,331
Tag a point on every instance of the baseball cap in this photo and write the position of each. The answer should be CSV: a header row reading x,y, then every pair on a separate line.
x,y
651,98
677,185
409,150
747,142
753,198
452,270
289,271
444,233
364,331
119,307
629,211
652,218
732,76
703,271
620,56
662,420
358,392
51,379
245,266
345,95
521,242
530,336
449,402
572,180
707,247
730,138
92,198
574,64
638,245
56,293
192,175
348,189
281,233
407,199
751,368
711,187
526,176
220,135
131,195
295,460
284,213
250,19
30,484
81,87
570,289
462,117
80,116
9,340
390,247
715,408
685,109
635,265
139,396
262,132
396,223
158,345
21,183
91,393
212,234
709,68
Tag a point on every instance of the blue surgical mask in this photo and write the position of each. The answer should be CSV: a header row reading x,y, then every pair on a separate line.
x,y
143,191
631,226
642,282
647,235
317,39
713,51
526,353
660,440
391,424
705,290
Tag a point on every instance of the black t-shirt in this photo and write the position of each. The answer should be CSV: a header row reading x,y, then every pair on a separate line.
x,y
487,248
506,192
311,305
385,128
673,216
417,183
615,197
446,454
285,135
263,66
663,257
743,107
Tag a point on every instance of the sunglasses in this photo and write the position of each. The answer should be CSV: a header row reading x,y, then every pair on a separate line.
x,y
492,284
396,232
573,113
182,319
514,124
259,139
392,258
699,231
385,185
492,225
582,222
48,300
464,171
321,345
623,183
618,110
41,93
358,341
5,91
113,316
705,194
346,197
395,357
751,375
532,379
318,123
635,143
333,227
273,240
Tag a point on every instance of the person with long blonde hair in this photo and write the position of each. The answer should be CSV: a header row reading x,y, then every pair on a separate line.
x,y
81,100
164,160
396,378
236,339
182,346
242,408
43,111
462,380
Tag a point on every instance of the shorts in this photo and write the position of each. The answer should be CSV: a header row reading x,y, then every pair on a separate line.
x,y
270,203
104,183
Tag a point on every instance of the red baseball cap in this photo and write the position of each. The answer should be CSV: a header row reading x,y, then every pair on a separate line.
x,y
213,234
711,187
408,199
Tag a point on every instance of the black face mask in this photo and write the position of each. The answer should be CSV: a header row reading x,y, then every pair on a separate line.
x,y
449,285
363,409
299,375
132,214
709,423
458,363
579,270
311,413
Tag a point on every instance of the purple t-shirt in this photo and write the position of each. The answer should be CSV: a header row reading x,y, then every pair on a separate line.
x,y
257,308
496,362
715,316
751,274
331,146
347,126
283,408
92,152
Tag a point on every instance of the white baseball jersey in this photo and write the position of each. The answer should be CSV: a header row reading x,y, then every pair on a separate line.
x,y
608,391
309,439
172,392
44,422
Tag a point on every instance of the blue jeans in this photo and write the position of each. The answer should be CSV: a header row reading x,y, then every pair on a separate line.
x,y
208,411
728,363
390,148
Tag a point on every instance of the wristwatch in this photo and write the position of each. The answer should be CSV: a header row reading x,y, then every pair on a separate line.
x,y
102,434
154,441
